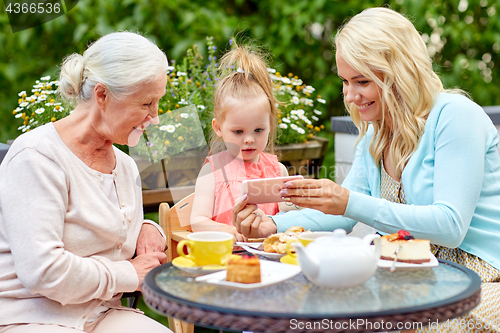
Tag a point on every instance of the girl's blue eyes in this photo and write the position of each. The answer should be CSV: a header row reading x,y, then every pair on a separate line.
x,y
258,130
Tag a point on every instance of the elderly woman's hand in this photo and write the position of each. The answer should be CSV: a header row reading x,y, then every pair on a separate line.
x,y
321,194
143,263
150,240
250,221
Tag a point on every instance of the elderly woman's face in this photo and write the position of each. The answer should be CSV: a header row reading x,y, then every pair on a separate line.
x,y
361,91
127,117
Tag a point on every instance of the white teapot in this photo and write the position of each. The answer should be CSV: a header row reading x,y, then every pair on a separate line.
x,y
339,261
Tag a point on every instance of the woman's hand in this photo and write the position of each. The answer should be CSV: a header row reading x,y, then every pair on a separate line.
x,y
250,221
321,194
149,240
143,263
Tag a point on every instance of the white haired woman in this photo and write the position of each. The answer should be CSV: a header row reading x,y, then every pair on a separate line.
x,y
72,231
426,161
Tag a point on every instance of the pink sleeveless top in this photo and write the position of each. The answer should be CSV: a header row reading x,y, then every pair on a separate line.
x,y
229,173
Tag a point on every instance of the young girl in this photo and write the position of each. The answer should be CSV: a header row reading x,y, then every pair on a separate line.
x,y
244,125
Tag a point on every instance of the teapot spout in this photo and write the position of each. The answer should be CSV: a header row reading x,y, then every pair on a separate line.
x,y
308,264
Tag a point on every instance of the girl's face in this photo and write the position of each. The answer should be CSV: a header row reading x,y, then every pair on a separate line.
x,y
245,129
361,91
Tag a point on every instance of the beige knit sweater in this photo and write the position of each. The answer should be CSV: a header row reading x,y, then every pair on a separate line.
x,y
63,244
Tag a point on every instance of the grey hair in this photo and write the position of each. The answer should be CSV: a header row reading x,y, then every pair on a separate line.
x,y
119,60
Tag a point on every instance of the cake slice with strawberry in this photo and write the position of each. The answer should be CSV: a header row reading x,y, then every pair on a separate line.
x,y
411,250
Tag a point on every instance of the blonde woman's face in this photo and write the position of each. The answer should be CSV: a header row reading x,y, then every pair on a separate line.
x,y
360,90
245,128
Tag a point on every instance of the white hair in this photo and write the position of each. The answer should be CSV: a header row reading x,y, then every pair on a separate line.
x,y
119,60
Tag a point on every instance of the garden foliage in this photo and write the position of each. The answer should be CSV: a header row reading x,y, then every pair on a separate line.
x,y
463,37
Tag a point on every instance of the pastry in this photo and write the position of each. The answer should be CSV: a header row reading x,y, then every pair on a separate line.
x,y
243,269
411,250
276,243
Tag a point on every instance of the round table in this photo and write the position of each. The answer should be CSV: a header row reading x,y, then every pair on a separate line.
x,y
388,301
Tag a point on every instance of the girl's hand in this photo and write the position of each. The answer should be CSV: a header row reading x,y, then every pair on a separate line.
x,y
321,194
250,221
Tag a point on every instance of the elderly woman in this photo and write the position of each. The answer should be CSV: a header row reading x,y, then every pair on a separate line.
x,y
427,159
72,231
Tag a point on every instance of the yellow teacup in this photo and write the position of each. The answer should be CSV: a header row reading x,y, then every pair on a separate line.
x,y
207,247
306,238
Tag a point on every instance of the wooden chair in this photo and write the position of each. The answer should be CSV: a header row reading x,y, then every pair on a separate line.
x,y
176,225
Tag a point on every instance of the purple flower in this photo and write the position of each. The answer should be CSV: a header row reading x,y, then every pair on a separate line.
x,y
230,42
215,48
149,144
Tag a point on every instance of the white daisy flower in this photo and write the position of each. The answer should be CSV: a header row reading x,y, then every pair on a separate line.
x,y
22,93
45,78
170,128
319,113
284,126
293,126
294,117
315,118
163,128
271,70
295,100
286,120
308,101
321,100
300,130
170,68
184,115
294,112
308,90
201,107
286,80
178,124
24,104
19,115
300,112
179,73
39,110
182,101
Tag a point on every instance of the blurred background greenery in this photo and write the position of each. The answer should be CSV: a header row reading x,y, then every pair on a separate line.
x,y
463,37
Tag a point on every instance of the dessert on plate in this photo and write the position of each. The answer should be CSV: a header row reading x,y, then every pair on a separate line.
x,y
411,250
243,269
276,243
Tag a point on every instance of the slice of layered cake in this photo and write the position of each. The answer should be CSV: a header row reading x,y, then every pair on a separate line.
x,y
411,250
243,269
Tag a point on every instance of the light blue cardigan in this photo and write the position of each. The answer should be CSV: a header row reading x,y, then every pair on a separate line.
x,y
451,184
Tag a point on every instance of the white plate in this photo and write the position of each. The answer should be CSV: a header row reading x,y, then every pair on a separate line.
x,y
404,265
271,272
252,249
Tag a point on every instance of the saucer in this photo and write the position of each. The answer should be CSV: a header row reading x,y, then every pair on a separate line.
x,y
288,260
189,266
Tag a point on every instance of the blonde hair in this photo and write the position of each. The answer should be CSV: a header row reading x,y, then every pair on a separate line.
x,y
385,47
243,75
119,60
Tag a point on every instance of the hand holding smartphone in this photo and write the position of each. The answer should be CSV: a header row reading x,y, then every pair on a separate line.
x,y
265,190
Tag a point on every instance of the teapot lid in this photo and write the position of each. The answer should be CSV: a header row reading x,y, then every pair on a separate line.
x,y
340,238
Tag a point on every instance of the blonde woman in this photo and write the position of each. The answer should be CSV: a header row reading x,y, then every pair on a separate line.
x,y
426,161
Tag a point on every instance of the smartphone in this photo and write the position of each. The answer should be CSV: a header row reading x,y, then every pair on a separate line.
x,y
265,190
